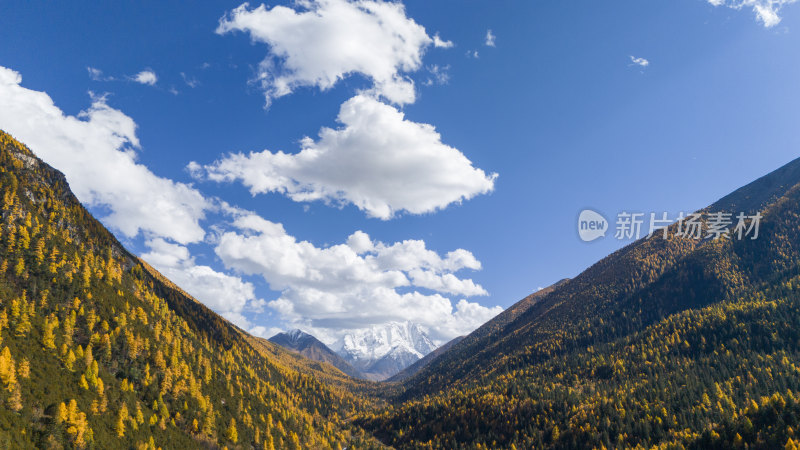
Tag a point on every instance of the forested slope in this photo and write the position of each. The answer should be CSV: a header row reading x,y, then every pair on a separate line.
x,y
665,341
98,350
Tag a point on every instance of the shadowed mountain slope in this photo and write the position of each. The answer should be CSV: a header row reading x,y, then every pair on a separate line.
x,y
312,348
666,341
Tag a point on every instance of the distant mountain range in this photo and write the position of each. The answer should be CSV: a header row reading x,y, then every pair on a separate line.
x,y
384,350
375,353
312,348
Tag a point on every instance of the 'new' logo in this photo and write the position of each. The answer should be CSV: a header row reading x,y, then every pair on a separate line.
x,y
591,225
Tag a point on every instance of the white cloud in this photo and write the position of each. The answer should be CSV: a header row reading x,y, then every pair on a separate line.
x,y
441,43
97,74
360,242
467,317
411,255
490,38
225,294
447,283
265,332
362,282
146,76
356,284
641,62
96,152
766,10
377,161
324,41
439,75
165,254
190,81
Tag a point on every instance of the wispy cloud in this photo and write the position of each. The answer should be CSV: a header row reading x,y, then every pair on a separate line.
x,y
190,81
438,75
766,10
490,38
97,74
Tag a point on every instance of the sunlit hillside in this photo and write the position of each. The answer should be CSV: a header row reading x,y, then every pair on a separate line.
x,y
99,351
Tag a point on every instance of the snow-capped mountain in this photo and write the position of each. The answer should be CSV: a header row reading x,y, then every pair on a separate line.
x,y
312,348
382,351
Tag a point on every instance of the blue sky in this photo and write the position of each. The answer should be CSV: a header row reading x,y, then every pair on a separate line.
x,y
557,108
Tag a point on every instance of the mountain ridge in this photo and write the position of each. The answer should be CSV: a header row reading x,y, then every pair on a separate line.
x,y
314,349
752,196
424,361
381,351
100,350
672,309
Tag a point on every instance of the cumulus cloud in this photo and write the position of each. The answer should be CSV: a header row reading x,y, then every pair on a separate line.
x,y
641,62
447,283
324,41
226,294
146,76
378,161
466,318
265,332
490,38
358,283
96,152
766,10
441,43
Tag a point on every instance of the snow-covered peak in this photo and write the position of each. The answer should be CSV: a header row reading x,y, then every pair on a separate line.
x,y
395,338
296,334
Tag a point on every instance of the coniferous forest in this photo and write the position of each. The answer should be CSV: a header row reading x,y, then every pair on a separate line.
x,y
100,351
666,343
